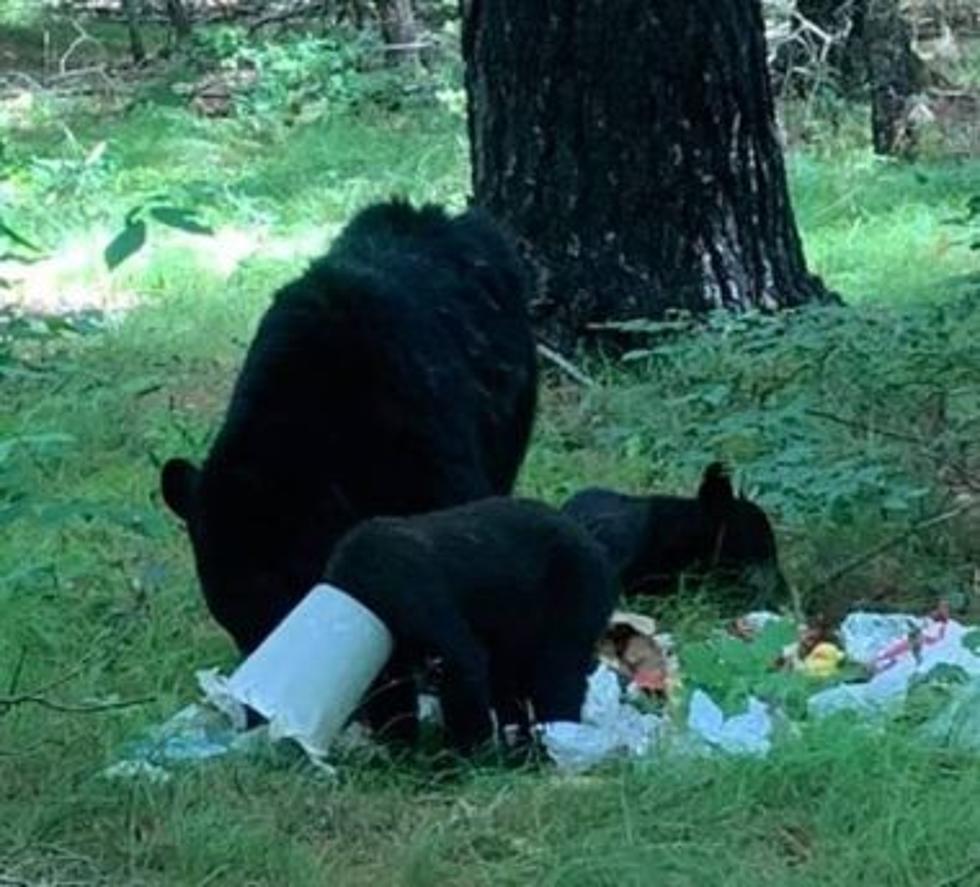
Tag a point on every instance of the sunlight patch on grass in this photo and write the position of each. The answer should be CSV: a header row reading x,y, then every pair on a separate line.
x,y
74,277
880,230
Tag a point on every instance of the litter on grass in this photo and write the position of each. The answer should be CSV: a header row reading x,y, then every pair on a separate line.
x,y
897,650
309,675
305,679
738,684
610,727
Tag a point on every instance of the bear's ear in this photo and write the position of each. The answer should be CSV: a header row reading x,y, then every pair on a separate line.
x,y
178,483
715,493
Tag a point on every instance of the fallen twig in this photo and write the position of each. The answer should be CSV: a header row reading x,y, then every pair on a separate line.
x,y
865,427
82,38
869,555
417,46
963,877
927,447
566,366
18,670
8,702
12,697
30,82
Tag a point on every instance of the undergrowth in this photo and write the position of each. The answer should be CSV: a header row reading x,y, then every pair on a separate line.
x,y
850,425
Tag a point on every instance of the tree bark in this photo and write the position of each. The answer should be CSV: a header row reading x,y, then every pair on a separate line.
x,y
179,19
400,31
631,147
136,47
894,74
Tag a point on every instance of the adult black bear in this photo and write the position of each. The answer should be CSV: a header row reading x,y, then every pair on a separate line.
x,y
653,540
511,595
397,375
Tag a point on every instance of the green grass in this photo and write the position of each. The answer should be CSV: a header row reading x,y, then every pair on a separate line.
x,y
874,228
97,590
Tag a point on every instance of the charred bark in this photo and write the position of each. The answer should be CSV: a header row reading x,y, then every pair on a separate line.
x,y
631,147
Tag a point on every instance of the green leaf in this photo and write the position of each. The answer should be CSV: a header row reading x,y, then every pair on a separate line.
x,y
127,243
182,219
971,640
10,234
730,669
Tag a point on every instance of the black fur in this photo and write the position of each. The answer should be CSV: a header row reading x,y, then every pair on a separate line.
x,y
397,375
509,593
653,540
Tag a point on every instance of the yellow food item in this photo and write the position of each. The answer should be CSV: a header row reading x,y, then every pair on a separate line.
x,y
823,660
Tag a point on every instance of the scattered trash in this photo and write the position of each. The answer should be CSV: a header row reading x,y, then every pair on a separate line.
x,y
639,622
896,649
195,733
610,728
430,709
870,637
744,734
813,653
309,675
823,661
305,679
632,648
748,626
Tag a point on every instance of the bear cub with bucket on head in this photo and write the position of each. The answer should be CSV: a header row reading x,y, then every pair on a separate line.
x,y
652,541
511,596
397,375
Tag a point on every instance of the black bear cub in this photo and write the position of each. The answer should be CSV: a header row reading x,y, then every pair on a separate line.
x,y
653,540
396,376
511,595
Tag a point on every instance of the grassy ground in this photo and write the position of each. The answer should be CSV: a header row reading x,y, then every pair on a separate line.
x,y
849,425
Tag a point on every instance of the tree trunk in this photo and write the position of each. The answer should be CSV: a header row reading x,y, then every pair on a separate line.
x,y
136,47
894,74
179,19
631,147
400,31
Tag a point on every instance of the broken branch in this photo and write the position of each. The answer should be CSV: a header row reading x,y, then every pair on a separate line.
x,y
869,555
566,366
9,702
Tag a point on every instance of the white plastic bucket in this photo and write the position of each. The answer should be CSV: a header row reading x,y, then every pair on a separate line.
x,y
308,676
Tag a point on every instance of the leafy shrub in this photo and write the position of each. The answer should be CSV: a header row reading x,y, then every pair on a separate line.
x,y
773,393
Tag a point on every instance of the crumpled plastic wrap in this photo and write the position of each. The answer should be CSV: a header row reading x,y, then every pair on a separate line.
x,y
880,642
612,729
609,728
743,734
865,635
195,733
